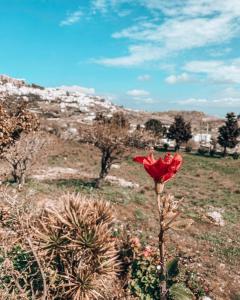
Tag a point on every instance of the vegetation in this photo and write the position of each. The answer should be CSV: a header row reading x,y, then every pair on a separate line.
x,y
155,126
180,131
111,136
23,154
229,133
75,248
13,122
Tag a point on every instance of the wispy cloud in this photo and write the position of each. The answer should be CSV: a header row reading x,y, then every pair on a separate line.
x,y
192,101
145,100
187,25
217,70
138,93
145,77
72,18
100,5
227,103
181,78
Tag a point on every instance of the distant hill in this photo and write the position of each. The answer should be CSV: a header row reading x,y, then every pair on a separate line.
x,y
67,105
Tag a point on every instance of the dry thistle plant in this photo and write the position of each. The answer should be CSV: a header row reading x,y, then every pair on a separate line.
x,y
161,171
76,249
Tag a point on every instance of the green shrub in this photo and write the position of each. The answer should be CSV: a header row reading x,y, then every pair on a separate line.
x,y
165,146
188,149
212,152
144,274
202,151
235,155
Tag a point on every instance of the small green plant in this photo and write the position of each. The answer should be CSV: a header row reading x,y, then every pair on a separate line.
x,y
202,151
145,271
188,149
235,155
19,271
165,146
212,152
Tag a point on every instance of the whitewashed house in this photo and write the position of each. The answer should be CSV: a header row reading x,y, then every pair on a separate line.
x,y
202,138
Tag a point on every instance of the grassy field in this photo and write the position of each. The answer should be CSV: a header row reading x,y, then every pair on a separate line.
x,y
205,183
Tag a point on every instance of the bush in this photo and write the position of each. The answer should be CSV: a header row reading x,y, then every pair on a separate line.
x,y
202,151
212,152
144,272
235,155
68,253
165,146
188,149
77,249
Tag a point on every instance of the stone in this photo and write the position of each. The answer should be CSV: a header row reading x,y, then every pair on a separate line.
x,y
216,217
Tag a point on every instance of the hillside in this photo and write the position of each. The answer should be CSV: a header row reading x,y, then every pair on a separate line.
x,y
206,187
66,106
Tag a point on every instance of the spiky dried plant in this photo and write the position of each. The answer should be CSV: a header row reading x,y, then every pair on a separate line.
x,y
76,248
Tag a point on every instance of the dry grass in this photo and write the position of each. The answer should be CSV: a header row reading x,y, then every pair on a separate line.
x,y
204,183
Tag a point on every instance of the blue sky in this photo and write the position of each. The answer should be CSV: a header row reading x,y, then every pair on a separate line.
x,y
144,54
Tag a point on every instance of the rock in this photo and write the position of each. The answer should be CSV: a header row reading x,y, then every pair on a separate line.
x,y
52,173
115,166
216,217
122,182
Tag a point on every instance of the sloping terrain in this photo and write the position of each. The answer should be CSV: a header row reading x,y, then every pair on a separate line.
x,y
210,186
68,106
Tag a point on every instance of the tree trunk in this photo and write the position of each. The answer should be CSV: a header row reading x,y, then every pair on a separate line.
x,y
225,151
22,179
105,167
14,174
177,147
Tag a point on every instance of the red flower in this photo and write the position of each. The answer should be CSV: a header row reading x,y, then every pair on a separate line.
x,y
160,170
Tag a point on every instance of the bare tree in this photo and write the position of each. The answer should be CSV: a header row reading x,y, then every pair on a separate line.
x,y
23,154
111,136
14,120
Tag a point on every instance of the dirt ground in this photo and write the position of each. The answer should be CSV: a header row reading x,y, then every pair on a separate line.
x,y
207,184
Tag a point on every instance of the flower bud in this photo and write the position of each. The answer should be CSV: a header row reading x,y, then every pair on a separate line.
x,y
159,187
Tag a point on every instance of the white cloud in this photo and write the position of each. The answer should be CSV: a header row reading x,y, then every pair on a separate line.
x,y
219,52
193,8
192,101
173,79
147,100
72,18
230,92
187,25
216,70
227,102
108,6
145,77
137,55
138,93
77,88
100,5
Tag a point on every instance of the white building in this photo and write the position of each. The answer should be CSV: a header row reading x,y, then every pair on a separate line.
x,y
202,138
